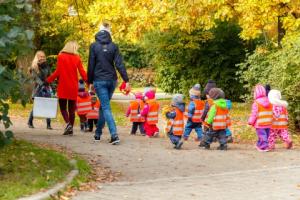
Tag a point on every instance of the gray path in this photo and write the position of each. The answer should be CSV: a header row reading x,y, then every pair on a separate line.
x,y
151,169
120,96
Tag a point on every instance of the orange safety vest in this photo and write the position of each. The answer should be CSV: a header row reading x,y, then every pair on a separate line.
x,y
152,117
135,109
265,115
84,105
221,120
94,112
199,108
282,121
177,124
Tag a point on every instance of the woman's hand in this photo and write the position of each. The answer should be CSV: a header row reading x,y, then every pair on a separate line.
x,y
127,87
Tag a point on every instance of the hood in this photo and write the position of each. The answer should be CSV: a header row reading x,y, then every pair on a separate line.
x,y
264,101
275,98
259,91
103,37
221,103
180,106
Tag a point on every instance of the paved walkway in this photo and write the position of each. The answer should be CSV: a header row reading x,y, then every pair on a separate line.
x,y
152,169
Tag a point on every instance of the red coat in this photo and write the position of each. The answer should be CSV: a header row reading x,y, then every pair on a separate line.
x,y
66,72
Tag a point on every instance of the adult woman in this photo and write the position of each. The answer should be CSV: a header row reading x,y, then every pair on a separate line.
x,y
39,71
68,63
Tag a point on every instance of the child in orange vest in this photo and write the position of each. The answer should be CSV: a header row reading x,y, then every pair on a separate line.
x,y
134,111
150,112
217,120
280,120
93,115
194,112
83,105
261,117
175,124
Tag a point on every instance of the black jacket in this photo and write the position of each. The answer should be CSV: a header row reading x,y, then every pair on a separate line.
x,y
104,58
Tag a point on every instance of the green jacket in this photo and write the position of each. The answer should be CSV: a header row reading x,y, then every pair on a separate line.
x,y
221,103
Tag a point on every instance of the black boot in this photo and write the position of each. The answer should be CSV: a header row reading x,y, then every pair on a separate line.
x,y
49,124
82,126
222,147
30,124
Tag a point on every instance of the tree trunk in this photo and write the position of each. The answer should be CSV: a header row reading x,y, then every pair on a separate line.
x,y
281,31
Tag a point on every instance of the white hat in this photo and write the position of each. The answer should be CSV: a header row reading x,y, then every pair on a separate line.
x,y
275,98
105,28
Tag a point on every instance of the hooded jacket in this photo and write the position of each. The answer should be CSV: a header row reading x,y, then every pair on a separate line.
x,y
279,105
261,98
104,59
172,115
221,103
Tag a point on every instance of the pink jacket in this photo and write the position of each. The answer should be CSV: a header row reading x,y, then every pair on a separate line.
x,y
261,98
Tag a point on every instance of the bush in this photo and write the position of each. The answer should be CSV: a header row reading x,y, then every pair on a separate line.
x,y
278,67
183,59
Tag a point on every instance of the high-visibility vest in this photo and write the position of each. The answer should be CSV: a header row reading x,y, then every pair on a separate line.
x,y
221,120
265,115
177,124
280,122
135,109
94,112
199,108
84,105
152,117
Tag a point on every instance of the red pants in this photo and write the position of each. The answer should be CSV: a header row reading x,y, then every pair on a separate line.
x,y
150,129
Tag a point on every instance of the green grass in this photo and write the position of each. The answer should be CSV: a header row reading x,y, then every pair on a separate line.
x,y
85,171
26,169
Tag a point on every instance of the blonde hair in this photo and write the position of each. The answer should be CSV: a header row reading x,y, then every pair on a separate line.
x,y
71,47
34,65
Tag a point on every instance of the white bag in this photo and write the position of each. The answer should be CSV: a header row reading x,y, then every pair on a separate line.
x,y
45,107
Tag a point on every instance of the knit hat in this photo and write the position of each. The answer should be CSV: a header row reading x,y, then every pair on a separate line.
x,y
81,87
210,84
195,90
275,98
138,95
105,27
259,91
216,93
177,99
150,94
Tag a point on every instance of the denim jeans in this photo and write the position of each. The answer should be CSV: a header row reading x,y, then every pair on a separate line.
x,y
105,90
190,126
220,134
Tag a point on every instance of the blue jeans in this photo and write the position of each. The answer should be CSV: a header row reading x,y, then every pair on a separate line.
x,y
105,90
190,126
220,134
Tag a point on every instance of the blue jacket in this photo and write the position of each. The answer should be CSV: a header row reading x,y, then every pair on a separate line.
x,y
104,58
172,115
192,106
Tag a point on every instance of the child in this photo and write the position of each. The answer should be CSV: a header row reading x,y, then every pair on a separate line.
x,y
134,110
93,115
217,120
175,124
280,120
194,113
83,105
261,117
150,112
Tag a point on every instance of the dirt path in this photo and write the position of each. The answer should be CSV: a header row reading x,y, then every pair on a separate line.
x,y
152,169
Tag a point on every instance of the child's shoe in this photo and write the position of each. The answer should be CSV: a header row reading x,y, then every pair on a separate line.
x,y
206,146
82,126
178,145
222,147
229,139
202,144
262,150
289,145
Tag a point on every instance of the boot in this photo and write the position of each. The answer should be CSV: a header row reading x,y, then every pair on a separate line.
x,y
82,126
30,124
222,147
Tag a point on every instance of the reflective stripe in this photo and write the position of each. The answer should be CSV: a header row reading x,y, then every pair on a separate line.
x,y
85,108
177,129
134,112
282,116
84,104
152,113
197,117
264,120
220,124
178,122
280,123
198,111
220,117
265,113
152,118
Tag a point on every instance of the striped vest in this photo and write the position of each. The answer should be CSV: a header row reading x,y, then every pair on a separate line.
x,y
221,120
265,115
135,109
84,105
152,116
280,122
94,112
177,124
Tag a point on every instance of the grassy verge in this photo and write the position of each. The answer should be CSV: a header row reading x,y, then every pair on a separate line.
x,y
26,169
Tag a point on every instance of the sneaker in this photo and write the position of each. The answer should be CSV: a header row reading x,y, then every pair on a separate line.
x,y
262,150
289,145
97,138
202,144
178,145
114,140
222,147
68,129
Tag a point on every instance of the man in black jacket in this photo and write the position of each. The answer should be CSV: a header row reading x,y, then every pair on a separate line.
x,y
104,59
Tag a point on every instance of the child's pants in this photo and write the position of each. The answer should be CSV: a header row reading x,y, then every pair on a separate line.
x,y
136,125
174,138
220,134
91,123
150,129
282,133
263,135
190,126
